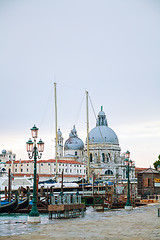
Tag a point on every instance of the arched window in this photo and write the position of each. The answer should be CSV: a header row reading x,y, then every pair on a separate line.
x,y
90,157
149,182
95,157
109,157
109,172
103,157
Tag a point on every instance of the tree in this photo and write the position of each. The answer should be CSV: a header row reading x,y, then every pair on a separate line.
x,y
156,163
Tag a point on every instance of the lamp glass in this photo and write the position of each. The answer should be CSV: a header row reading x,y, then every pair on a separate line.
x,y
127,154
126,161
34,131
29,145
40,146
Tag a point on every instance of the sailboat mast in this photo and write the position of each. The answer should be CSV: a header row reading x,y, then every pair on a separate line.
x,y
56,154
88,162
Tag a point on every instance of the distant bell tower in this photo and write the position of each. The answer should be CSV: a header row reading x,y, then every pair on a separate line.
x,y
60,143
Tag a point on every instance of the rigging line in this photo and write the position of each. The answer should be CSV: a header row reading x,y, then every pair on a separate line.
x,y
95,118
92,107
70,86
80,107
46,107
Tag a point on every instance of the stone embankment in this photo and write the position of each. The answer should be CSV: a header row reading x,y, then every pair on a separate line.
x,y
141,223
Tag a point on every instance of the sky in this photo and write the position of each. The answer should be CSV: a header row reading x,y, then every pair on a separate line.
x,y
109,48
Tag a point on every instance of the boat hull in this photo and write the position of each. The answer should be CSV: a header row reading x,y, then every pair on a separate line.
x,y
9,207
23,204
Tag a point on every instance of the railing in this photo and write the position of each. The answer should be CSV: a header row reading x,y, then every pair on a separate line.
x,y
65,199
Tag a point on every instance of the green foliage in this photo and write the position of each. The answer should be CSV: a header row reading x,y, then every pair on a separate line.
x,y
156,163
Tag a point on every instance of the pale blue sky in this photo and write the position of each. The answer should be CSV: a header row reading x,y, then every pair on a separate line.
x,y
109,48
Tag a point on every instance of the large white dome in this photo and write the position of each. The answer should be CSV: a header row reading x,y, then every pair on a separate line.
x,y
102,133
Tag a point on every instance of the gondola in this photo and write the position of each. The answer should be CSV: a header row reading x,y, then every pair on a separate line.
x,y
23,204
9,207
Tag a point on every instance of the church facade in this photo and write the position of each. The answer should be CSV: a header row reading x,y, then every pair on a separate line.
x,y
106,160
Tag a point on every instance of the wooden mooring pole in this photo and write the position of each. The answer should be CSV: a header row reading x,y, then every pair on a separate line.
x,y
62,183
9,185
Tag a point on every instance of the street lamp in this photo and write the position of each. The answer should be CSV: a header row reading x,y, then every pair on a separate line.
x,y
33,152
128,164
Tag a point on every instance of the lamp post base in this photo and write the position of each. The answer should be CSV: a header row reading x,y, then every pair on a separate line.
x,y
128,208
36,219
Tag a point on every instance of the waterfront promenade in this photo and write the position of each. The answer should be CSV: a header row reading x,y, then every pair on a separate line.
x,y
141,223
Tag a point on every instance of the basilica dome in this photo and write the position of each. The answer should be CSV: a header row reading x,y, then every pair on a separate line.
x,y
73,142
102,133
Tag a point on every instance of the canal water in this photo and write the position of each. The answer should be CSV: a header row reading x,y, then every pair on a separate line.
x,y
16,223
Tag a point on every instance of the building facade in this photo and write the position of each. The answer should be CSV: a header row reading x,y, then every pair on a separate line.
x,y
148,182
105,153
105,158
72,169
7,156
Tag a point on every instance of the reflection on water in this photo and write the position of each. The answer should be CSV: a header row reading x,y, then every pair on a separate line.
x,y
16,223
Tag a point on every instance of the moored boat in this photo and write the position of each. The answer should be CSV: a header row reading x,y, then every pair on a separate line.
x,y
8,207
23,204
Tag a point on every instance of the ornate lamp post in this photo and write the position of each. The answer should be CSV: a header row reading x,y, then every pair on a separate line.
x,y
33,152
128,163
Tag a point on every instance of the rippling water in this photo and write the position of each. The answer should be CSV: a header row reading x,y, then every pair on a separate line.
x,y
16,223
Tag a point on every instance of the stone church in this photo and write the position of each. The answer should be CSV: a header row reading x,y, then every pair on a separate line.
x,y
106,160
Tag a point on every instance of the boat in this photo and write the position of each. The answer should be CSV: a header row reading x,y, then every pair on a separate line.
x,y
15,205
47,181
58,185
23,204
8,207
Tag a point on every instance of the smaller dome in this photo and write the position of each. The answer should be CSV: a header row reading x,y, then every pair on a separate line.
x,y
59,133
73,142
4,152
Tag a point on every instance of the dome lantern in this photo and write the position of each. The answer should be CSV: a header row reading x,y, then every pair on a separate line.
x,y
101,120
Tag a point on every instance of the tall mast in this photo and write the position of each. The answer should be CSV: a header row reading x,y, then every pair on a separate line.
x,y
88,162
56,155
